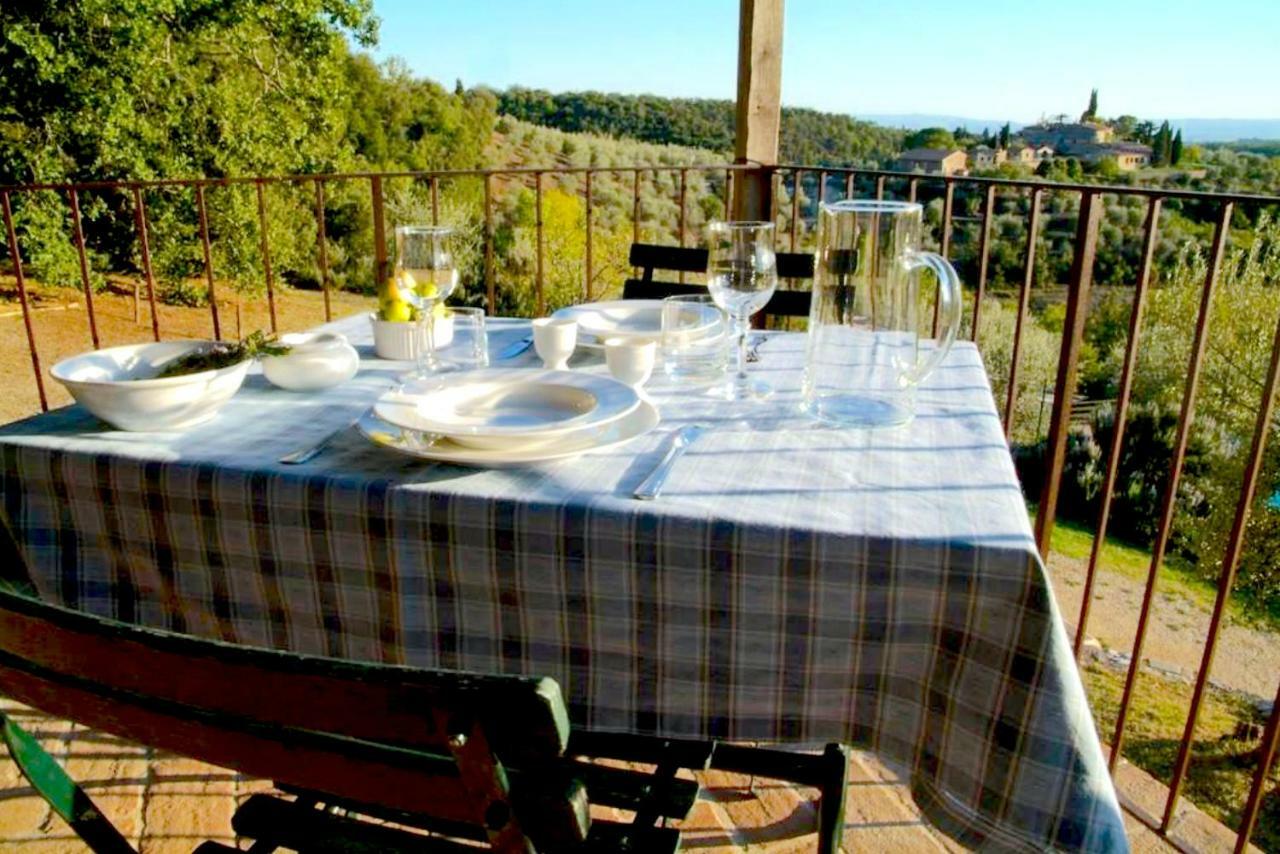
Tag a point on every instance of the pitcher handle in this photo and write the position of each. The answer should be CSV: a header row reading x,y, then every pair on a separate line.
x,y
948,307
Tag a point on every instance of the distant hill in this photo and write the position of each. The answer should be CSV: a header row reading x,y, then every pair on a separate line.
x,y
1227,130
808,136
919,121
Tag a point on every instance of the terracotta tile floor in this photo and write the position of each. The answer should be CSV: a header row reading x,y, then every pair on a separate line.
x,y
165,803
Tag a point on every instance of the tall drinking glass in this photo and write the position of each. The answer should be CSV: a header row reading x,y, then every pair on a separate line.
x,y
742,274
426,276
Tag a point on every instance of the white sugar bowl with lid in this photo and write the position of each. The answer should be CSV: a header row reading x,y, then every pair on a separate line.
x,y
316,360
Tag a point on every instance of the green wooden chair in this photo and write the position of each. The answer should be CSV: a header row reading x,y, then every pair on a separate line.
x,y
467,757
651,258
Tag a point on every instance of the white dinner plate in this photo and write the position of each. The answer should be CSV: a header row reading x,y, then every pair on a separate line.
x,y
507,407
637,319
639,421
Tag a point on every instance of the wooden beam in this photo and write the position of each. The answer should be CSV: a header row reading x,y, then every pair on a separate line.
x,y
759,115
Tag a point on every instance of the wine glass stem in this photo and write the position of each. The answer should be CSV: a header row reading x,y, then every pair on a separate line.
x,y
743,329
427,354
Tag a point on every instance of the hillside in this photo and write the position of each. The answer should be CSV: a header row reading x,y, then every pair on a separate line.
x,y
808,136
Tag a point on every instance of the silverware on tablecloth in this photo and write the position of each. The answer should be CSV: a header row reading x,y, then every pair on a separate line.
x,y
309,453
676,446
516,348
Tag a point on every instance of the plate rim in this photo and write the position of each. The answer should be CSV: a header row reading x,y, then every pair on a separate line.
x,y
480,457
572,312
621,401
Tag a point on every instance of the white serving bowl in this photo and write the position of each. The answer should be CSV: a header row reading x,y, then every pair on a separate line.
x,y
397,339
101,381
316,360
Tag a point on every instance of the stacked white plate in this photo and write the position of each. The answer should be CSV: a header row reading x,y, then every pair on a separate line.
x,y
634,319
508,417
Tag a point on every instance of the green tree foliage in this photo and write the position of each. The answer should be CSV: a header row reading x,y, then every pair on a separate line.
x,y
807,136
1006,135
1091,112
1175,148
930,138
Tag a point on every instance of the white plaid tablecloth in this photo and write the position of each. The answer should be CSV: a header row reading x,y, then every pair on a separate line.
x,y
794,583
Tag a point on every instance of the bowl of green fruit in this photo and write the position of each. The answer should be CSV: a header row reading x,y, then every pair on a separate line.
x,y
168,385
395,324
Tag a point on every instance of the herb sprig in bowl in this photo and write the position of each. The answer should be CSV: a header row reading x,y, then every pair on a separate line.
x,y
224,354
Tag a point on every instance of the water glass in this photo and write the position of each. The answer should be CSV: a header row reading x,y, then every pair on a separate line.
x,y
470,348
692,355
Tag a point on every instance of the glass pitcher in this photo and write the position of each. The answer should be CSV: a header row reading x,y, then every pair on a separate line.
x,y
864,357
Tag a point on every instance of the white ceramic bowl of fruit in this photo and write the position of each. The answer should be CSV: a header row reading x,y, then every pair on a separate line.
x,y
395,325
124,386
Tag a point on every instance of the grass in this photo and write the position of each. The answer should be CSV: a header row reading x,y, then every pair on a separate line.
x,y
1074,540
1222,766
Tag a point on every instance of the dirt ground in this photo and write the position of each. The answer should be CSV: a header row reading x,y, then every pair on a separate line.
x,y
61,324
1247,659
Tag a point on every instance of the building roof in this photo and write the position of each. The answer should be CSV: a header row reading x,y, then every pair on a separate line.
x,y
930,154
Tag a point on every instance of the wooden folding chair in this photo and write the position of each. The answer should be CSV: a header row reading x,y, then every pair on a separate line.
x,y
466,757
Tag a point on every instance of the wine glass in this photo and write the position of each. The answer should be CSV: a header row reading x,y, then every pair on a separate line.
x,y
742,274
426,277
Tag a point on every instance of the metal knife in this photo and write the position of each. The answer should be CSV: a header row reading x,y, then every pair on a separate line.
x,y
516,348
677,445
303,455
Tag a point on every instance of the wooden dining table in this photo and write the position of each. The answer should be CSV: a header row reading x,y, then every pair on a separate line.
x,y
794,583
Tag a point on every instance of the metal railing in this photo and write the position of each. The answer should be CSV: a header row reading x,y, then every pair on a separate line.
x,y
1080,280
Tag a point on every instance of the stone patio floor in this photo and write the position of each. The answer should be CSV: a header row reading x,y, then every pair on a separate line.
x,y
166,803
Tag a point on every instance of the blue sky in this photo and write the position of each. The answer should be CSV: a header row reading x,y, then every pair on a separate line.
x,y
986,59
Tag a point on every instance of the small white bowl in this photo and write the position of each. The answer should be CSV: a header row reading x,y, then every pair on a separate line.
x,y
398,339
102,382
316,360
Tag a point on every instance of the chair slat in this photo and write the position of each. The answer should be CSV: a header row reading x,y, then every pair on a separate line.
x,y
401,779
526,715
303,828
652,256
781,304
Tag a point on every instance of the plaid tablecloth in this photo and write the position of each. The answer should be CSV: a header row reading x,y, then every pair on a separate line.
x,y
794,583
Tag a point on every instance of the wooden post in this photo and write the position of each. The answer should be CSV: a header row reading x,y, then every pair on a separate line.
x,y
759,115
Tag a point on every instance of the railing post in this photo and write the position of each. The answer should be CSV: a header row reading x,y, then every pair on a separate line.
x,y
728,192
948,209
635,206
203,214
1230,561
266,255
590,239
1170,500
322,244
490,284
684,180
797,183
879,187
1119,419
78,233
22,300
1065,386
1024,299
140,220
848,186
1266,755
537,202
380,267
984,241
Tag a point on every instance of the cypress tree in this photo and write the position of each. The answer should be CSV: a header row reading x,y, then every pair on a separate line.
x,y
1175,149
